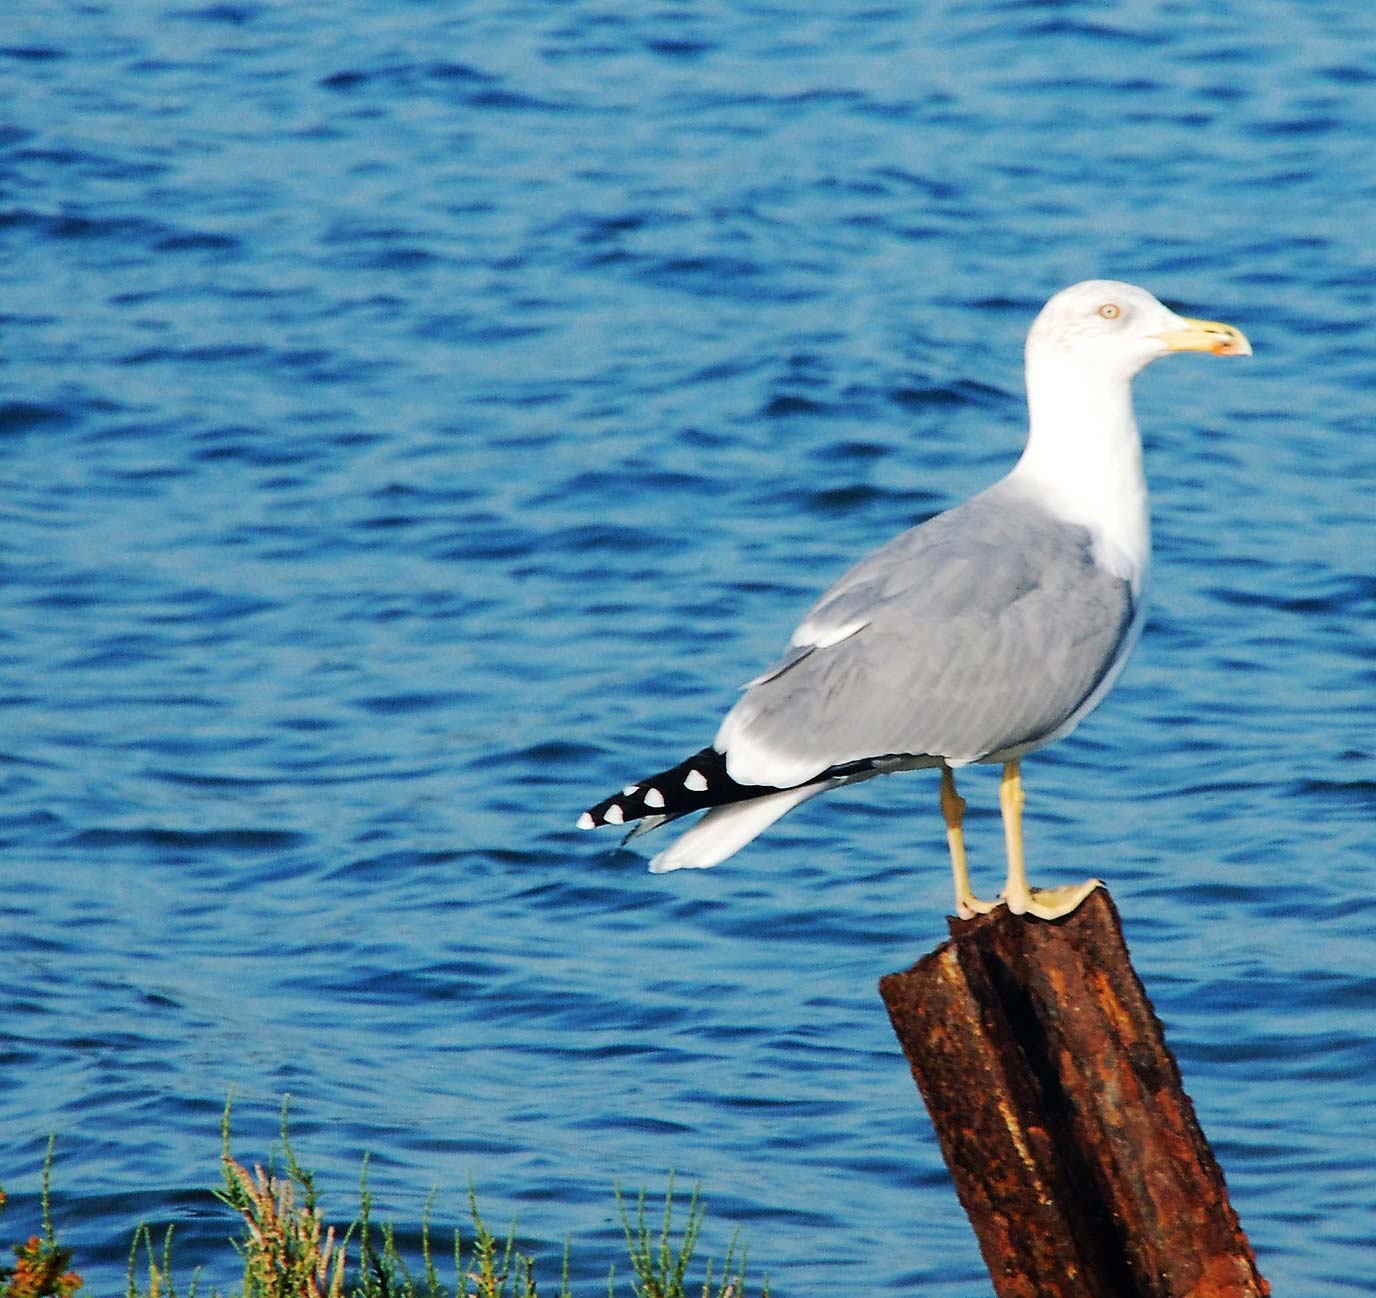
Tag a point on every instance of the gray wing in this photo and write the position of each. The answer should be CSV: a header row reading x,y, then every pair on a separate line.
x,y
983,629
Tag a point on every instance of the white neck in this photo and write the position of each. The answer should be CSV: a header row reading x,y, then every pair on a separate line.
x,y
1084,460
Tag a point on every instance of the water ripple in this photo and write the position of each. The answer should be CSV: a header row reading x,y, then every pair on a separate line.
x,y
414,425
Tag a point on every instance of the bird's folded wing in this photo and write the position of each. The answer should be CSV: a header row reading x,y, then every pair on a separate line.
x,y
985,628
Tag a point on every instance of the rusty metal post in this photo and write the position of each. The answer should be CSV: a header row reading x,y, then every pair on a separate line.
x,y
1075,1150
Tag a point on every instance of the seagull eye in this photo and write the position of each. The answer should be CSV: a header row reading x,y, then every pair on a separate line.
x,y
1110,311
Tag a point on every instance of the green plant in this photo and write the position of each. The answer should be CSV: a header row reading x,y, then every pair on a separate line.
x,y
288,1250
160,1282
42,1267
661,1265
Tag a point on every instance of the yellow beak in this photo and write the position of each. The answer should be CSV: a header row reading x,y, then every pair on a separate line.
x,y
1206,336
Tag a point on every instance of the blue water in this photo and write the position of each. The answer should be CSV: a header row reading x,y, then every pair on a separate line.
x,y
416,420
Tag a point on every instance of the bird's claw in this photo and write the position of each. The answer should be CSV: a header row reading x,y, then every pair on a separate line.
x,y
1051,903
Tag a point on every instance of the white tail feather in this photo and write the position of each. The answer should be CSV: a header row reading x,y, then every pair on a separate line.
x,y
723,831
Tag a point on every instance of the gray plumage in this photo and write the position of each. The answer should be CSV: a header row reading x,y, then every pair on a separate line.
x,y
985,630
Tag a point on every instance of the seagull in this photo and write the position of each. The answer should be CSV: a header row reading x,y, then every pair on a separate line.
x,y
980,635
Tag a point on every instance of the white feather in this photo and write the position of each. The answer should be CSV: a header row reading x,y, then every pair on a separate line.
x,y
750,762
725,830
814,635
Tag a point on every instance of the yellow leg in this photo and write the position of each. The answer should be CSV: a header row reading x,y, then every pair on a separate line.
x,y
953,811
1022,899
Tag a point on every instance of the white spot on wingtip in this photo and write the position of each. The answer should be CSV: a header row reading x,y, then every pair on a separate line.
x,y
696,781
629,789
654,798
585,821
614,815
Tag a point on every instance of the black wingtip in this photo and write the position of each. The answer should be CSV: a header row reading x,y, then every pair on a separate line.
x,y
697,782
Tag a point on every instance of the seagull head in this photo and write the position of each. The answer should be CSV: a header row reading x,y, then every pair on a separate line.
x,y
1117,329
